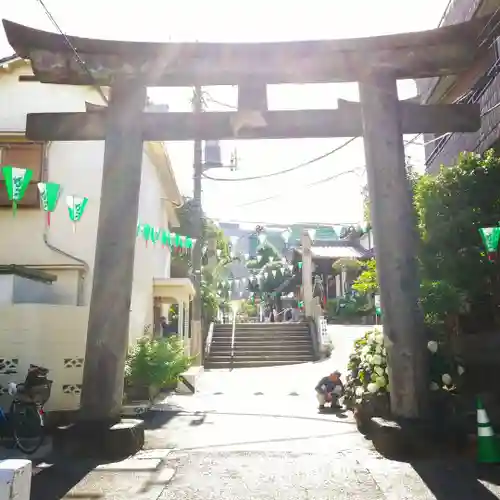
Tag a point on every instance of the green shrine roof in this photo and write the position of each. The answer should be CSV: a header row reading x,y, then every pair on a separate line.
x,y
323,232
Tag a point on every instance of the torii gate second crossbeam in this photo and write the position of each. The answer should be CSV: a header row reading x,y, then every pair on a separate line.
x,y
128,68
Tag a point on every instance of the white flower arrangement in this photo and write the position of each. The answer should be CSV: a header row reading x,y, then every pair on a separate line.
x,y
369,361
369,373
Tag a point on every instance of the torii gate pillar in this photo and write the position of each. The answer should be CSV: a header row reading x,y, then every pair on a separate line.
x,y
107,334
397,267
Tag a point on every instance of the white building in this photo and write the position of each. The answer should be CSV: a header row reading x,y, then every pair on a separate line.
x,y
45,321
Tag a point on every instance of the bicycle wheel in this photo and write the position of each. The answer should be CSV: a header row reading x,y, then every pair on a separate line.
x,y
27,426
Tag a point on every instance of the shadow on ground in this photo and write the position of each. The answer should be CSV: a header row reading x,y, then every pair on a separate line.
x,y
156,419
56,481
457,481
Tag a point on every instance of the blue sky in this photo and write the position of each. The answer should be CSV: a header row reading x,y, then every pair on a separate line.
x,y
335,201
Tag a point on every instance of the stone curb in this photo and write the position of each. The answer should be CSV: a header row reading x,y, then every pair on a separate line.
x,y
412,439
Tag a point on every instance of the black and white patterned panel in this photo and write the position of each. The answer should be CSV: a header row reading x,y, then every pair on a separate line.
x,y
73,389
73,362
9,366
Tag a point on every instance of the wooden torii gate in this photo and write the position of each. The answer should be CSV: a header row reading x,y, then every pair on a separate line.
x,y
129,67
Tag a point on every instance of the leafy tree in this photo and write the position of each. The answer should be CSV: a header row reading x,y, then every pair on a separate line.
x,y
345,264
367,282
441,302
268,262
351,232
451,207
210,277
186,215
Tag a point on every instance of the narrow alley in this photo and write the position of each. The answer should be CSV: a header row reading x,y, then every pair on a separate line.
x,y
256,434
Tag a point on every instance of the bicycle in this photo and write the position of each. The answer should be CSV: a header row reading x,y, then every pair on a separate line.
x,y
25,420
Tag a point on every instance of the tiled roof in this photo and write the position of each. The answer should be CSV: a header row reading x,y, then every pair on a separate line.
x,y
323,233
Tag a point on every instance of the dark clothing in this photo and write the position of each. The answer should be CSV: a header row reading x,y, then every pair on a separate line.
x,y
167,329
326,385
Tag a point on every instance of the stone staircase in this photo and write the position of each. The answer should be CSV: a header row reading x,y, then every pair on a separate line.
x,y
260,344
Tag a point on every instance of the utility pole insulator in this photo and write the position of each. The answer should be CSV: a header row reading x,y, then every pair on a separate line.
x,y
252,96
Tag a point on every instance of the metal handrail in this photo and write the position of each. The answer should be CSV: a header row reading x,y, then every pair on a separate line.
x,y
208,342
232,338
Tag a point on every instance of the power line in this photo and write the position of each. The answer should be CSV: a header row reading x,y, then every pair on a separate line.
x,y
286,171
312,184
220,103
311,161
80,61
301,165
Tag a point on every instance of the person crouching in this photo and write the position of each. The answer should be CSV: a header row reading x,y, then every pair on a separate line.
x,y
329,390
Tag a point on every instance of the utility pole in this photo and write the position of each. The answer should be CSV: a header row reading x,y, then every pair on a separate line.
x,y
199,167
196,327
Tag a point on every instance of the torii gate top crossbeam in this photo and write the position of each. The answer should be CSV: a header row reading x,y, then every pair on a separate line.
x,y
438,52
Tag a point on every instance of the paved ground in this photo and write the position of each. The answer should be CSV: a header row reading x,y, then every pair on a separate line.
x,y
256,434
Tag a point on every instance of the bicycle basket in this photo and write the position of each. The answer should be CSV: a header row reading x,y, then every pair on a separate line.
x,y
39,393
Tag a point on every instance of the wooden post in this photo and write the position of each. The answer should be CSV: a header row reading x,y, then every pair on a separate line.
x,y
108,327
396,242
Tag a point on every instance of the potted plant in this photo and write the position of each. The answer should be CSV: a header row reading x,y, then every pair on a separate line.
x,y
152,365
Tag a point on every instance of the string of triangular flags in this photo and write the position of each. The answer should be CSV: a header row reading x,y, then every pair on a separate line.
x,y
154,235
17,181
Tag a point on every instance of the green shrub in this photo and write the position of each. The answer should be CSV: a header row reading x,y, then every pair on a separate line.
x,y
349,307
451,208
440,300
156,362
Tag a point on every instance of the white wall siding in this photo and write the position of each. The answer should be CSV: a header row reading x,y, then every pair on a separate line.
x,y
77,166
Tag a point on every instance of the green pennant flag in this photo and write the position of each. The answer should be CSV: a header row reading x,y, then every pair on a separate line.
x,y
164,238
300,265
155,234
76,207
16,182
49,196
490,237
146,233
